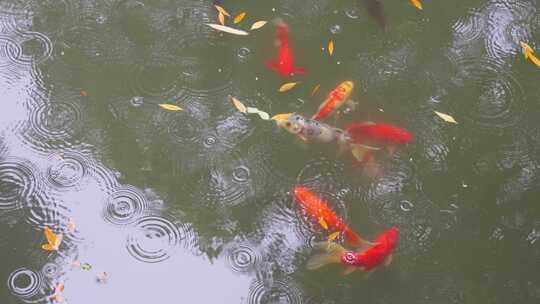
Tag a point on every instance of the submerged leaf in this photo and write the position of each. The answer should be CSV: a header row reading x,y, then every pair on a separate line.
x,y
330,47
221,10
315,90
446,117
239,105
258,25
287,86
417,4
239,18
170,107
226,29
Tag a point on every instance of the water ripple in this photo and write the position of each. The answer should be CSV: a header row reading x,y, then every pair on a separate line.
x,y
278,291
67,170
36,48
18,181
242,257
494,95
125,206
10,50
25,283
468,29
155,239
51,270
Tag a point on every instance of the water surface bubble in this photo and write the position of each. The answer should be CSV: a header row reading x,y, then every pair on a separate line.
x,y
125,206
243,53
25,283
335,29
51,270
137,101
241,174
406,206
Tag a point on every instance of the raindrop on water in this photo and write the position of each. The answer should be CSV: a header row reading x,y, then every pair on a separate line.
x,y
335,29
406,206
137,101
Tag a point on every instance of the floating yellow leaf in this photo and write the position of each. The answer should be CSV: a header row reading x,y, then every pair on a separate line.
x,y
226,29
222,11
446,117
221,18
281,117
239,18
333,236
53,240
330,47
417,4
529,53
315,90
170,107
258,25
323,223
239,105
287,86
263,115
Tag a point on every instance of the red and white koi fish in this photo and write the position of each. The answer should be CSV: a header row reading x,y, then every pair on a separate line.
x,y
366,260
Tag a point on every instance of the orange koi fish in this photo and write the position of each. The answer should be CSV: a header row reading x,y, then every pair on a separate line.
x,y
53,240
336,99
380,252
284,64
318,209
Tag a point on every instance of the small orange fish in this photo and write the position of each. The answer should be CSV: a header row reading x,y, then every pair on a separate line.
x,y
529,53
317,208
53,240
336,99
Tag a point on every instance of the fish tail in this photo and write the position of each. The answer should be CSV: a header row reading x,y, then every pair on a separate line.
x,y
354,238
331,254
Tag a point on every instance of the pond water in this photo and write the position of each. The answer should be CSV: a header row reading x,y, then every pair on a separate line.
x,y
195,206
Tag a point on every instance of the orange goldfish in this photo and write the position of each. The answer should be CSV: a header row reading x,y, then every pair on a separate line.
x,y
318,209
336,99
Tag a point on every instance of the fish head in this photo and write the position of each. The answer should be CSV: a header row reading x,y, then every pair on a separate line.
x,y
349,258
293,123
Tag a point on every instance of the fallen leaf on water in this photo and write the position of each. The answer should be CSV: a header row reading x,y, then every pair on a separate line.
x,y
315,90
57,293
333,236
102,277
84,93
281,117
258,25
53,240
417,4
529,53
221,10
239,105
226,29
86,266
263,115
330,47
170,107
446,117
239,18
287,86
221,18
323,223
